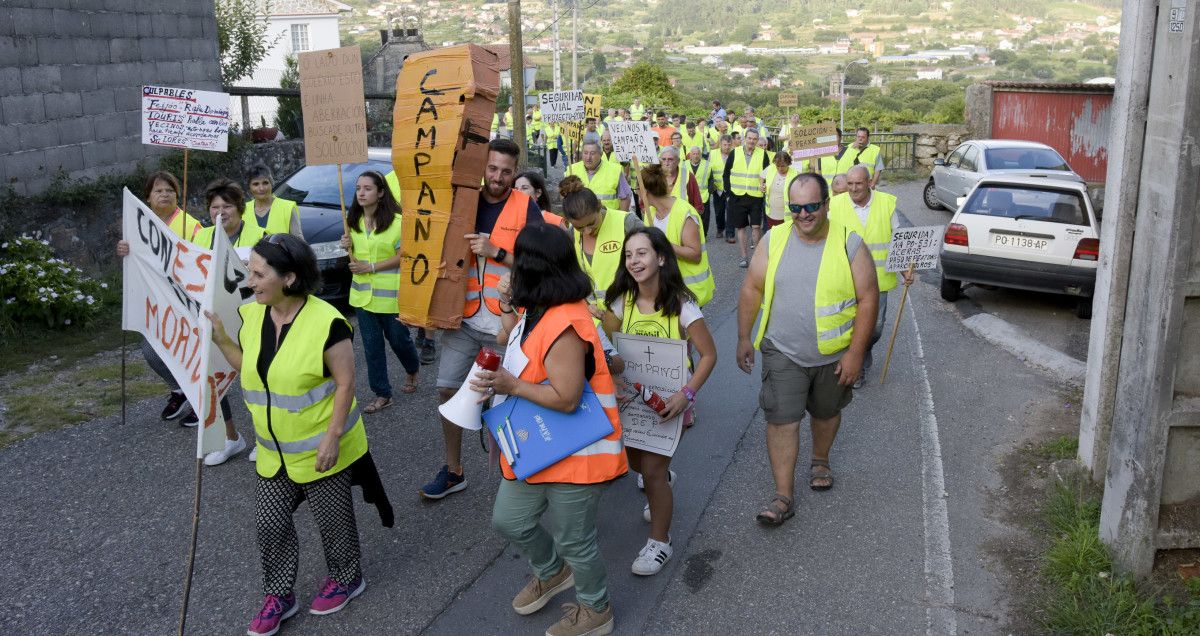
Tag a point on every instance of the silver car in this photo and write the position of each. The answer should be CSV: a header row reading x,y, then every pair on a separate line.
x,y
955,176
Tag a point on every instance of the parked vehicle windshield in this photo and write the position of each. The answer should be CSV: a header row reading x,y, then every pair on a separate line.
x,y
1054,206
317,185
1024,159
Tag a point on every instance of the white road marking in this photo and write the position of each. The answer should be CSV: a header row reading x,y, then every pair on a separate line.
x,y
939,568
1008,336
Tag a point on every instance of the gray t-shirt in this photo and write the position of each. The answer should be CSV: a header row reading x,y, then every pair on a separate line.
x,y
793,328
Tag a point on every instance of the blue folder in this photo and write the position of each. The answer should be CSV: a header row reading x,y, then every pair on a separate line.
x,y
536,437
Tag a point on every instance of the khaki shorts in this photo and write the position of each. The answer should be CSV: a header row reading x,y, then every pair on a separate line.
x,y
789,390
459,348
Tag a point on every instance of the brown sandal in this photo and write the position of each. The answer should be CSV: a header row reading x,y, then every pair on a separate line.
x,y
378,405
773,515
410,385
819,471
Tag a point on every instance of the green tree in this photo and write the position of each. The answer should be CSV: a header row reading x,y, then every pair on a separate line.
x,y
599,64
647,81
241,37
287,118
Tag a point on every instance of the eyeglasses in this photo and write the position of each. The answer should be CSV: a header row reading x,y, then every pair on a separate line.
x,y
806,208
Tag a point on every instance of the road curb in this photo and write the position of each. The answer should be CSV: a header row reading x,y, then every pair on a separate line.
x,y
1034,353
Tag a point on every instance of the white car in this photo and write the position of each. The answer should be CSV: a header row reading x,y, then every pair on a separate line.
x,y
973,160
1025,233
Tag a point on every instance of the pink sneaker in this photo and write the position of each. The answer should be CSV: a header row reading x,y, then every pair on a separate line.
x,y
275,610
334,596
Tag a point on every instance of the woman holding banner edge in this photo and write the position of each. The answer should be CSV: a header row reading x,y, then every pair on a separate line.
x,y
374,241
649,298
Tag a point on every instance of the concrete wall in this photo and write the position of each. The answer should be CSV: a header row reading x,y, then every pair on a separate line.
x,y
70,78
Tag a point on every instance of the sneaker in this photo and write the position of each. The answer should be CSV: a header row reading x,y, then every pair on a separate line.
x,y
537,592
670,482
334,596
743,263
176,405
652,558
446,483
861,381
581,620
190,420
275,610
232,447
253,456
428,352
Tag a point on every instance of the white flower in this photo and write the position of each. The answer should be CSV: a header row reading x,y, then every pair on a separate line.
x,y
41,290
103,285
40,273
10,301
53,294
67,321
91,300
4,245
45,242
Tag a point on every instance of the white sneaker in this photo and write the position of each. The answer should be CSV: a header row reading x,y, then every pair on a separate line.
x,y
253,456
652,558
232,447
670,482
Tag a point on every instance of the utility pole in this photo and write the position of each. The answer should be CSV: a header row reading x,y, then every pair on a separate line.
x,y
554,44
517,73
574,44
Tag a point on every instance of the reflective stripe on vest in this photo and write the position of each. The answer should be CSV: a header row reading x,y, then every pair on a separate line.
x,y
604,184
703,174
743,179
377,291
481,289
312,443
834,303
250,235
697,276
877,233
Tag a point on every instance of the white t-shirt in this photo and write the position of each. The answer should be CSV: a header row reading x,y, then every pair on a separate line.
x,y
484,320
688,313
864,212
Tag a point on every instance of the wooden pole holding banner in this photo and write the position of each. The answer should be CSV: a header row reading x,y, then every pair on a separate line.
x,y
183,199
896,327
345,219
191,563
124,336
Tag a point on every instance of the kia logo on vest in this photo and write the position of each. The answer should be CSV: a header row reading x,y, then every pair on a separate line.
x,y
610,247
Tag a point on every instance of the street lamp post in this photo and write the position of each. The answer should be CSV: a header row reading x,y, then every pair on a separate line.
x,y
842,89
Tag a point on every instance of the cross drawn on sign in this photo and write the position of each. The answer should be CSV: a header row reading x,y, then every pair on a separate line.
x,y
649,354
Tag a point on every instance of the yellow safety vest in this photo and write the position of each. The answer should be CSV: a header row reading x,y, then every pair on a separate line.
x,y
495,122
654,325
604,184
703,173
768,175
377,291
697,276
293,406
692,140
279,217
636,112
393,183
743,176
250,236
607,256
183,225
834,303
866,157
717,163
877,233
829,167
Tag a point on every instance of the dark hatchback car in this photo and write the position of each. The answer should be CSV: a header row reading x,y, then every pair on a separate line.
x,y
315,190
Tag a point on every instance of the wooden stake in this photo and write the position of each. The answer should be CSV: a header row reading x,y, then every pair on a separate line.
x,y
345,220
183,201
191,564
896,327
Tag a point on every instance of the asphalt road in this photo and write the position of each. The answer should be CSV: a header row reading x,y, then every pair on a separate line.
x,y
95,519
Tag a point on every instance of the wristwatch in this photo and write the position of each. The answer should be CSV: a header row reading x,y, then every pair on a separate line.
x,y
501,254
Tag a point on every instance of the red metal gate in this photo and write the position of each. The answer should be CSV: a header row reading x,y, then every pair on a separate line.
x,y
1071,118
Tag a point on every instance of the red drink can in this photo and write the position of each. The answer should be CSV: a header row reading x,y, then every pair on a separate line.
x,y
652,399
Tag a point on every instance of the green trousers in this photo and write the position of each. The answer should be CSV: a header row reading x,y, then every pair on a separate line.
x,y
571,512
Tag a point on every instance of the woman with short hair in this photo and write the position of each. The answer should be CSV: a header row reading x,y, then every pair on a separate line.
x,y
271,213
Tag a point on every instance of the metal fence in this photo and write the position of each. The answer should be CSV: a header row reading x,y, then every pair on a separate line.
x,y
898,150
254,107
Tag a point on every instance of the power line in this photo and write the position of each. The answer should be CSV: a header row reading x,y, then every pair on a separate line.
x,y
560,17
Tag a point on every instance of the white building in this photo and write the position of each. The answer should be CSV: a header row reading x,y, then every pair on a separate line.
x,y
929,73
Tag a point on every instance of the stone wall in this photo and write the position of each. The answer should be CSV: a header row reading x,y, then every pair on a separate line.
x,y
71,73
282,157
935,141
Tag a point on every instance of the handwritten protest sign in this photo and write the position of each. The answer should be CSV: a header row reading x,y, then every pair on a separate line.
x,y
331,99
442,120
167,284
575,131
632,138
185,118
560,106
816,140
916,246
788,100
591,105
661,365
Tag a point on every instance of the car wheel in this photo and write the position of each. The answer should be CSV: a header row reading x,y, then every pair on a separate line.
x,y
1083,308
930,196
951,289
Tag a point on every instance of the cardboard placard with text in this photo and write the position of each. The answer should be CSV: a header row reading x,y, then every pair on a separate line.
x,y
335,112
813,140
185,118
560,106
918,247
659,364
788,100
633,138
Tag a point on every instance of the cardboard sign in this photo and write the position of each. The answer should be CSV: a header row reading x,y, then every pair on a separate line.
x,y
661,365
633,138
916,246
788,100
168,282
185,118
560,106
335,113
591,106
442,121
815,140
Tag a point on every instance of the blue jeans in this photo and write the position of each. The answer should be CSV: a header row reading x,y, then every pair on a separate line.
x,y
374,328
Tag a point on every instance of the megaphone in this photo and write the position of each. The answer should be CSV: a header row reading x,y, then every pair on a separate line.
x,y
465,409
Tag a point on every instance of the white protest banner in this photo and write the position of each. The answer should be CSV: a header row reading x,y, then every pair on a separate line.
x,y
915,246
560,106
334,109
165,279
185,118
632,138
659,364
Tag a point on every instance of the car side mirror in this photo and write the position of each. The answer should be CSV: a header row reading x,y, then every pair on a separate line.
x,y
939,162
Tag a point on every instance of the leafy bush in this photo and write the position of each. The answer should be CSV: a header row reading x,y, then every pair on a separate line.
x,y
36,287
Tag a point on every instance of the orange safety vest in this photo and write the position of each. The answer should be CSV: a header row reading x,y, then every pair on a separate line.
x,y
511,222
603,460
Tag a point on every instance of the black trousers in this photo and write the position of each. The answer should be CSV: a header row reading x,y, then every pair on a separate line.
x,y
329,499
717,202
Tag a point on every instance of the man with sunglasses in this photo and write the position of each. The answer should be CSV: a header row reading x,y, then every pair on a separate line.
x,y
818,291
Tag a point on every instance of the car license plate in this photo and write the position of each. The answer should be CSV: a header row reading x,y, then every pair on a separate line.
x,y
1019,242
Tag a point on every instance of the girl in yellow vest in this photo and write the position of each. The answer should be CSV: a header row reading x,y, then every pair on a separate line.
x,y
271,213
162,195
597,233
296,359
679,221
374,243
649,298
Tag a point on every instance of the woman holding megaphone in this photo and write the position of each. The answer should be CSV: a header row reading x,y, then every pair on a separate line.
x,y
553,350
